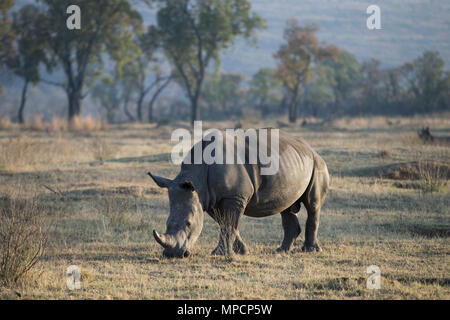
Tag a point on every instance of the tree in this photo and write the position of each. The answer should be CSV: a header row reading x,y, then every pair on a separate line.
x,y
264,90
194,32
29,51
345,76
146,73
6,32
106,26
318,93
108,94
427,80
222,93
296,60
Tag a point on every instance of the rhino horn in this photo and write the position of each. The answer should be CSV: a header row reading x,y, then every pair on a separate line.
x,y
164,240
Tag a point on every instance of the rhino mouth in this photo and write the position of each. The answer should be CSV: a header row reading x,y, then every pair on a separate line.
x,y
176,254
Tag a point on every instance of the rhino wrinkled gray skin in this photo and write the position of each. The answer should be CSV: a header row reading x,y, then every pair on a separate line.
x,y
228,191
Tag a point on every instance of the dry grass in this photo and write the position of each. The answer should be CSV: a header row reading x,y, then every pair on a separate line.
x,y
105,212
102,150
87,124
17,153
78,124
5,122
36,123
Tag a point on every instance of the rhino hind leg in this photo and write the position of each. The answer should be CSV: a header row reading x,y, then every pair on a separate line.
x,y
313,200
291,228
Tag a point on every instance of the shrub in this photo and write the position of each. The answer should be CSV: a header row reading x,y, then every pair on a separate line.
x,y
386,153
24,230
432,176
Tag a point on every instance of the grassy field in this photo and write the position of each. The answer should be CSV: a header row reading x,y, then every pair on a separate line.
x,y
94,185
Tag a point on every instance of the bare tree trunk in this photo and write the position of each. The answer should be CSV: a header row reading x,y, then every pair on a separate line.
x,y
139,106
75,100
155,96
23,101
195,111
127,112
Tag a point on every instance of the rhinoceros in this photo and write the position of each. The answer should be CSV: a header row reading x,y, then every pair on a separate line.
x,y
228,191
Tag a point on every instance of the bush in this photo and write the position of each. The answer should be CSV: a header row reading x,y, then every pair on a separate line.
x,y
432,177
385,153
24,230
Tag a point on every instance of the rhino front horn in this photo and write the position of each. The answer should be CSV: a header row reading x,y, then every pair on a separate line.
x,y
164,240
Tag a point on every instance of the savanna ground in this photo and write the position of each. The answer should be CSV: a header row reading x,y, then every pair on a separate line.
x,y
94,185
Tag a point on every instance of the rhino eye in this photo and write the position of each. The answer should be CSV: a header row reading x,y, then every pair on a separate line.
x,y
188,224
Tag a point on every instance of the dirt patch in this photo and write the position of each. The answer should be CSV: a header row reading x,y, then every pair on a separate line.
x,y
443,282
432,231
412,170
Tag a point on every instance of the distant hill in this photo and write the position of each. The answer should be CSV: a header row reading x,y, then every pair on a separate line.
x,y
409,27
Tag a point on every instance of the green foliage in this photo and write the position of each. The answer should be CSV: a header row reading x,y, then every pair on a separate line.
x,y
222,94
7,34
193,33
28,51
264,92
296,59
344,75
108,94
318,93
428,82
107,26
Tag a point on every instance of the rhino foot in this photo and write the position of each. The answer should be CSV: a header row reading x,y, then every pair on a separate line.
x,y
314,247
282,250
240,248
219,251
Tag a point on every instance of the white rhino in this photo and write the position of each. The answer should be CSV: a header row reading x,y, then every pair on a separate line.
x,y
228,191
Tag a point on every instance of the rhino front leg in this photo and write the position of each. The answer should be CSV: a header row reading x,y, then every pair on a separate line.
x,y
227,216
239,246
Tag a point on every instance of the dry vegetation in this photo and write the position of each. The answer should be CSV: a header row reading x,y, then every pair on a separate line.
x,y
381,210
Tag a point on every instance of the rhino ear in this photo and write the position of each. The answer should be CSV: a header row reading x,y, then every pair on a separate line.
x,y
160,181
188,185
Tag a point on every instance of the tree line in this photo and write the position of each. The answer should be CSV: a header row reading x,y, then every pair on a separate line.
x,y
183,47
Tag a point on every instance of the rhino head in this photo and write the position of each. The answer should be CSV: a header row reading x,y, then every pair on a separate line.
x,y
185,221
